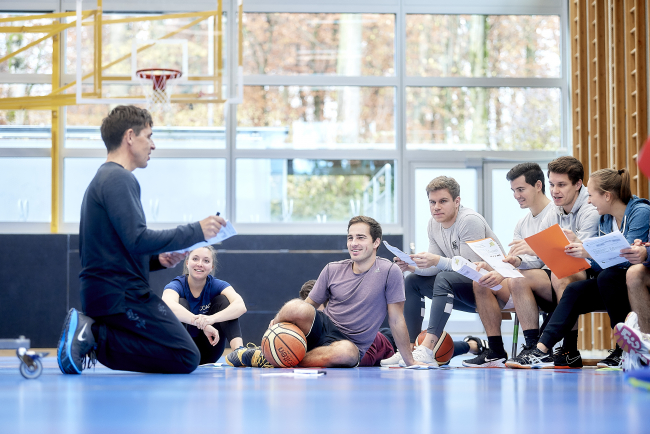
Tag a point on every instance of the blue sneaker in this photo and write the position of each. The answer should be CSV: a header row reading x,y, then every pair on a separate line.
x,y
76,349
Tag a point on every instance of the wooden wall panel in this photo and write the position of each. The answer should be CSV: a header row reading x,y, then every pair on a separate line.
x,y
609,103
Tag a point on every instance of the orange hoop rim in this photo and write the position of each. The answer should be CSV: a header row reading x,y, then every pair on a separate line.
x,y
150,73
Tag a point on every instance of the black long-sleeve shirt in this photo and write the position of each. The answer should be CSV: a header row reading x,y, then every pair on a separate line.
x,y
115,245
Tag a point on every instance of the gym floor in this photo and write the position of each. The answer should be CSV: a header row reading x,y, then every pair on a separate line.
x,y
356,401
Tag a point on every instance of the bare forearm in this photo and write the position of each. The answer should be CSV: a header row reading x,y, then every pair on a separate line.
x,y
401,336
183,315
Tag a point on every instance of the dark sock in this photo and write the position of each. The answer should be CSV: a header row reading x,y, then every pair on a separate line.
x,y
460,347
571,341
496,345
532,337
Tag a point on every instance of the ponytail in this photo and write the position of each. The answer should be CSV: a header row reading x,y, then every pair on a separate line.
x,y
616,182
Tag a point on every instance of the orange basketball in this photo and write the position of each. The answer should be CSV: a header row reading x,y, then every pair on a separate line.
x,y
444,349
420,338
284,345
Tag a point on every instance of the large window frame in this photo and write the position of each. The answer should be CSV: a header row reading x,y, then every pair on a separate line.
x,y
405,159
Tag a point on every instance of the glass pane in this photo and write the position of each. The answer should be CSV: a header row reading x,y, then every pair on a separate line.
x,y
25,128
476,118
25,189
505,209
118,40
34,60
198,190
302,117
328,44
467,178
314,190
199,127
483,45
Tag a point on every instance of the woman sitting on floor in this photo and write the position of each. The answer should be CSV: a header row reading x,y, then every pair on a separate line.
x,y
204,303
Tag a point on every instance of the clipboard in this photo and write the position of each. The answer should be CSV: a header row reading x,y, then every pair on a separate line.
x,y
549,246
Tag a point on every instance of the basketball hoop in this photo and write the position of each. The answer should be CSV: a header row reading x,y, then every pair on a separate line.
x,y
157,84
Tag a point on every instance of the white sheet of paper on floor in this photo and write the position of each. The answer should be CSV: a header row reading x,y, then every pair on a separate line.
x,y
465,268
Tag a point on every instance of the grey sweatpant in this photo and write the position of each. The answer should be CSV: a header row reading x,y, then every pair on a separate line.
x,y
446,290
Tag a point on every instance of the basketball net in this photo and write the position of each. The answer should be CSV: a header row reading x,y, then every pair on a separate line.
x,y
157,86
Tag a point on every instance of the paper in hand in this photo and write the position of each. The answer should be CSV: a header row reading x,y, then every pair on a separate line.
x,y
465,268
397,252
606,250
224,233
490,252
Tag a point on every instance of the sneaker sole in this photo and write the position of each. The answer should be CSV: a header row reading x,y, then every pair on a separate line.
x,y
604,365
74,319
59,348
543,366
627,338
567,367
515,365
493,364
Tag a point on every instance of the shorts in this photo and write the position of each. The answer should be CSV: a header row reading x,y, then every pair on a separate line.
x,y
324,332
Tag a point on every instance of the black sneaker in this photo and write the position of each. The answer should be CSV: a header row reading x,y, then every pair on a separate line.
x,y
76,349
566,359
614,360
531,358
487,359
519,362
482,344
234,358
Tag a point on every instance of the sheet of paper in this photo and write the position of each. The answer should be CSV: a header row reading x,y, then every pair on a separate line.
x,y
490,252
549,246
463,267
397,252
223,234
605,250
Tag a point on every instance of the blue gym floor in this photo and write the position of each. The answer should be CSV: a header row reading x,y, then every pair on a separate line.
x,y
362,400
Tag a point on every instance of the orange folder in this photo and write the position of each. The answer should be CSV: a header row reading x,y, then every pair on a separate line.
x,y
549,246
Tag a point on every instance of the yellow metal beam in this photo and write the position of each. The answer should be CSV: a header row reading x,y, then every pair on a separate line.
x,y
60,28
55,154
138,19
126,56
37,17
47,28
97,82
241,34
218,20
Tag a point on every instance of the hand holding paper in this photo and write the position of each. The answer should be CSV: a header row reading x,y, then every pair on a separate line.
x,y
397,252
606,250
489,250
465,268
549,246
226,231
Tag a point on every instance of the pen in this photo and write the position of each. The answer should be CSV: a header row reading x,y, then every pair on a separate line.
x,y
218,213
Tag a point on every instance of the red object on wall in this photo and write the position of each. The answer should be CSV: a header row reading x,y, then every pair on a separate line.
x,y
644,158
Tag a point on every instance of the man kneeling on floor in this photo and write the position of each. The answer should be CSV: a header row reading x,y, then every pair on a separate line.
x,y
359,291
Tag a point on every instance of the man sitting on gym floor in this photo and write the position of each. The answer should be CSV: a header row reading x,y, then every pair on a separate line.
x,y
359,292
126,324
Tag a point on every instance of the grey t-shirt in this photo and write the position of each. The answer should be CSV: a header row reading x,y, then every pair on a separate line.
x,y
450,242
358,303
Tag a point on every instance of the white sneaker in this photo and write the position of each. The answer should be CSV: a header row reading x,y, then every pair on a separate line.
x,y
632,361
632,340
392,360
422,354
632,320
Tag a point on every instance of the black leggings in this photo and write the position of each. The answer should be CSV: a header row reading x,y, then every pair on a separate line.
x,y
227,330
606,291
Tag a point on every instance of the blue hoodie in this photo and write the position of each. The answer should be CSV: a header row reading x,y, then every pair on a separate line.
x,y
636,225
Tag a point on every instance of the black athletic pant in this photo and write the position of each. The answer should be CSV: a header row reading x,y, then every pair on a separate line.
x,y
227,330
606,291
446,289
146,338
